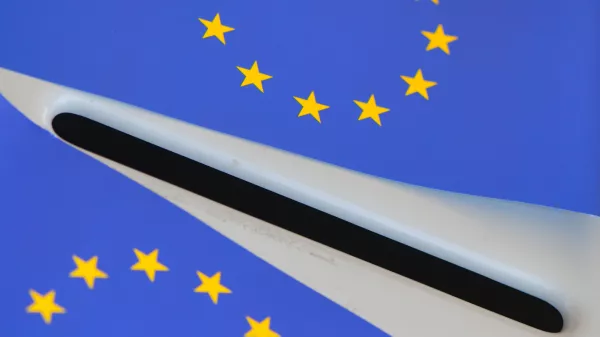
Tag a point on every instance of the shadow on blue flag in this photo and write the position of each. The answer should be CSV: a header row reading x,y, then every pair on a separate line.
x,y
88,252
492,98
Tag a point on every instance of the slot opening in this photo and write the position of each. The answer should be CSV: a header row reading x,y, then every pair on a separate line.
x,y
306,221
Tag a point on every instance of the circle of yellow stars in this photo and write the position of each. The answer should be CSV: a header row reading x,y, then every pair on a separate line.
x,y
46,306
417,84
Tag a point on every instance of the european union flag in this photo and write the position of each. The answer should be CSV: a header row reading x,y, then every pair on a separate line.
x,y
87,252
492,98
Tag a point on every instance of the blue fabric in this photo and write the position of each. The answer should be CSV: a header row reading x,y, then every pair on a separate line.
x,y
514,113
57,202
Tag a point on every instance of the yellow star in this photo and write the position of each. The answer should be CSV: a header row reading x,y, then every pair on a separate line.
x,y
212,286
437,2
418,84
371,110
253,76
310,106
439,39
148,263
215,28
87,270
260,329
44,305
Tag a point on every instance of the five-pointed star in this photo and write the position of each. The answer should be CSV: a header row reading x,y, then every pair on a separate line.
x,y
371,110
439,39
254,76
418,84
87,270
260,329
44,305
310,106
437,2
212,286
215,28
148,263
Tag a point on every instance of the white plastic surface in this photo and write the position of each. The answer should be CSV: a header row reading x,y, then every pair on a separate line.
x,y
549,253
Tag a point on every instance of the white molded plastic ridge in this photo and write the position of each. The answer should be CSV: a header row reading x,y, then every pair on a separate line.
x,y
549,253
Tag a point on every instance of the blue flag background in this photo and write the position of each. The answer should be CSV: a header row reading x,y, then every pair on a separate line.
x,y
507,107
61,208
